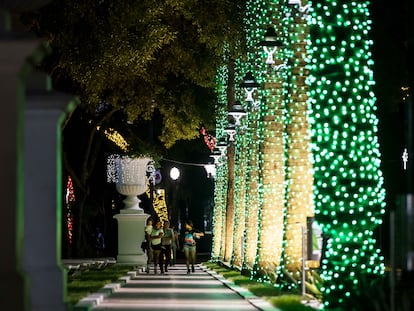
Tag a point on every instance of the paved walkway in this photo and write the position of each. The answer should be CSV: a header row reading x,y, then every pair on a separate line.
x,y
175,290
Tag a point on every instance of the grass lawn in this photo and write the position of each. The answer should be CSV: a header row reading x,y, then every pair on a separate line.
x,y
283,301
90,281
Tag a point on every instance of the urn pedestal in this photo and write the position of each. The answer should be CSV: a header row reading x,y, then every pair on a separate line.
x,y
130,235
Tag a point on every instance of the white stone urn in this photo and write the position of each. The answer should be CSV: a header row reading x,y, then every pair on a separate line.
x,y
131,181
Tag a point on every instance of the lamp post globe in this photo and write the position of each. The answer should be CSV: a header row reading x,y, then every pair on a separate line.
x,y
174,173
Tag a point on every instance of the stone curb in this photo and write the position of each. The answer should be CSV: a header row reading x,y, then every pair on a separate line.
x,y
91,301
256,301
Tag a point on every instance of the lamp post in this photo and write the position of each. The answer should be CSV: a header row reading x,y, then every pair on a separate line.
x,y
216,155
210,170
249,85
175,175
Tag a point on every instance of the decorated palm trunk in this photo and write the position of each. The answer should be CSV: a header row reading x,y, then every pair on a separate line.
x,y
299,198
349,196
252,196
240,200
272,171
220,191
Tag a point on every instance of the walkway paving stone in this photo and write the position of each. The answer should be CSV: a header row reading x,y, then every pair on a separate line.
x,y
176,290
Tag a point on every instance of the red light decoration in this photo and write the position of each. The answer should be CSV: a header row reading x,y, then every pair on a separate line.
x,y
209,139
70,200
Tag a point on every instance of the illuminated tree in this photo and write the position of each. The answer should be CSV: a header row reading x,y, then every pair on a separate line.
x,y
348,191
220,189
274,196
299,172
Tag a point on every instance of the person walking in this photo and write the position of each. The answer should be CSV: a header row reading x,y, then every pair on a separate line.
x,y
156,237
99,242
190,236
147,230
167,240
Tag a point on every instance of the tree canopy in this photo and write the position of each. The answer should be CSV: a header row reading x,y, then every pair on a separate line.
x,y
145,69
141,56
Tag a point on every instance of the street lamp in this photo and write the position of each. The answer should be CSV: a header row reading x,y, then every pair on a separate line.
x,y
175,214
210,170
216,155
302,9
250,85
270,44
237,112
174,173
231,131
222,147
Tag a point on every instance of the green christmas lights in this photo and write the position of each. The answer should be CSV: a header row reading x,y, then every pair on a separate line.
x,y
276,193
221,169
348,191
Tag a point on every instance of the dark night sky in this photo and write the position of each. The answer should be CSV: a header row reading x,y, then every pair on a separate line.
x,y
393,35
393,42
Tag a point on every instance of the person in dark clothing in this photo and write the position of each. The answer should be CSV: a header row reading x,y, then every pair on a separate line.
x,y
167,241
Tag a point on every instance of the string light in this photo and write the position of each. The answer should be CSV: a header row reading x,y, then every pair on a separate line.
x,y
116,138
220,190
350,199
70,201
267,175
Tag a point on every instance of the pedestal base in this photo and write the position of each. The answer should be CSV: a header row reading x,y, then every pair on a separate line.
x,y
130,236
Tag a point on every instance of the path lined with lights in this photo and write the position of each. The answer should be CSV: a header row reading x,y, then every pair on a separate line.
x,y
175,290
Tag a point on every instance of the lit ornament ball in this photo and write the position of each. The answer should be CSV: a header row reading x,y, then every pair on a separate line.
x,y
174,173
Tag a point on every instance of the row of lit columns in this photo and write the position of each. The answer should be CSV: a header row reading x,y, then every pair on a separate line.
x,y
260,183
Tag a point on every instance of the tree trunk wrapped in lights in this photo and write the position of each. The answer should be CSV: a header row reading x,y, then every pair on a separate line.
x,y
229,211
252,195
299,160
272,160
254,23
219,206
349,196
220,191
229,227
240,198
